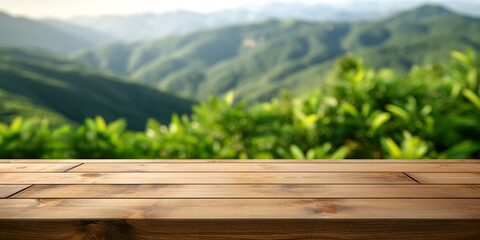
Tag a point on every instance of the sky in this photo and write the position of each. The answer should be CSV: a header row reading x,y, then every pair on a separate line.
x,y
69,8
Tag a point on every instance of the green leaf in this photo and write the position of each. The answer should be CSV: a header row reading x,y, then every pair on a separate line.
x,y
16,124
311,154
3,128
462,150
398,111
321,152
460,56
349,108
366,109
312,118
176,125
282,153
456,89
359,76
426,110
378,121
263,155
296,152
472,78
229,98
341,153
392,148
90,124
472,97
117,127
100,122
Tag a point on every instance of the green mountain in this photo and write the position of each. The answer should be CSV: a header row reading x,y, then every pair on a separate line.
x,y
42,84
258,60
93,37
51,36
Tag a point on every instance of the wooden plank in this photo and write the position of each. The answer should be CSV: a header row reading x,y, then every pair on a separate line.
x,y
267,229
36,167
239,209
240,160
251,191
276,167
447,178
7,190
205,178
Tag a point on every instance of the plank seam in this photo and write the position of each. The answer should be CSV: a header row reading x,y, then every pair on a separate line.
x,y
203,162
239,184
241,198
21,190
219,171
78,165
412,178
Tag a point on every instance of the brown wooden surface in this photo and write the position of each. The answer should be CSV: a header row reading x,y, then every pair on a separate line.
x,y
447,178
276,167
7,190
251,191
239,208
271,229
239,199
36,167
205,178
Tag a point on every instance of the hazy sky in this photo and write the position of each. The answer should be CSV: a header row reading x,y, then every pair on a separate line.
x,y
69,8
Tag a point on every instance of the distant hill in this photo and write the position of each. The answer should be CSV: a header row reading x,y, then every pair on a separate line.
x,y
146,26
150,25
153,25
42,84
258,60
51,36
90,35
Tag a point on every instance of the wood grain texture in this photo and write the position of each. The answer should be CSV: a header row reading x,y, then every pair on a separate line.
x,y
7,190
446,178
240,160
239,199
239,209
241,229
205,178
276,167
250,191
36,167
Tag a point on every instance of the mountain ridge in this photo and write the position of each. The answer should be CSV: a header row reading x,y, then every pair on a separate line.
x,y
24,32
42,84
251,58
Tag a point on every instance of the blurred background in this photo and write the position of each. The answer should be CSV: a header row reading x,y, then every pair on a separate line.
x,y
239,79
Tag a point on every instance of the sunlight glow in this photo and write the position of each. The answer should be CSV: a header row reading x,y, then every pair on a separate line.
x,y
70,8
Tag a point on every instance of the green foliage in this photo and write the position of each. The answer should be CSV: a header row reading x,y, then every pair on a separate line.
x,y
412,147
28,139
430,113
38,84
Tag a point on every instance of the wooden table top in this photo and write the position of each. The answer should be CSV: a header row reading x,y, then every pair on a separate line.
x,y
239,199
240,189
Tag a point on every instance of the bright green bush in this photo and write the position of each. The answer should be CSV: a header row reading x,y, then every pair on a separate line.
x,y
433,112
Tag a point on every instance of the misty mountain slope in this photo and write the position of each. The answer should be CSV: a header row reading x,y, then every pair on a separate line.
x,y
258,60
143,26
150,25
92,36
34,84
28,33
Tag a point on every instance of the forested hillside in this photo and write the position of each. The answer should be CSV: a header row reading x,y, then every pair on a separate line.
x,y
432,112
45,85
258,60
